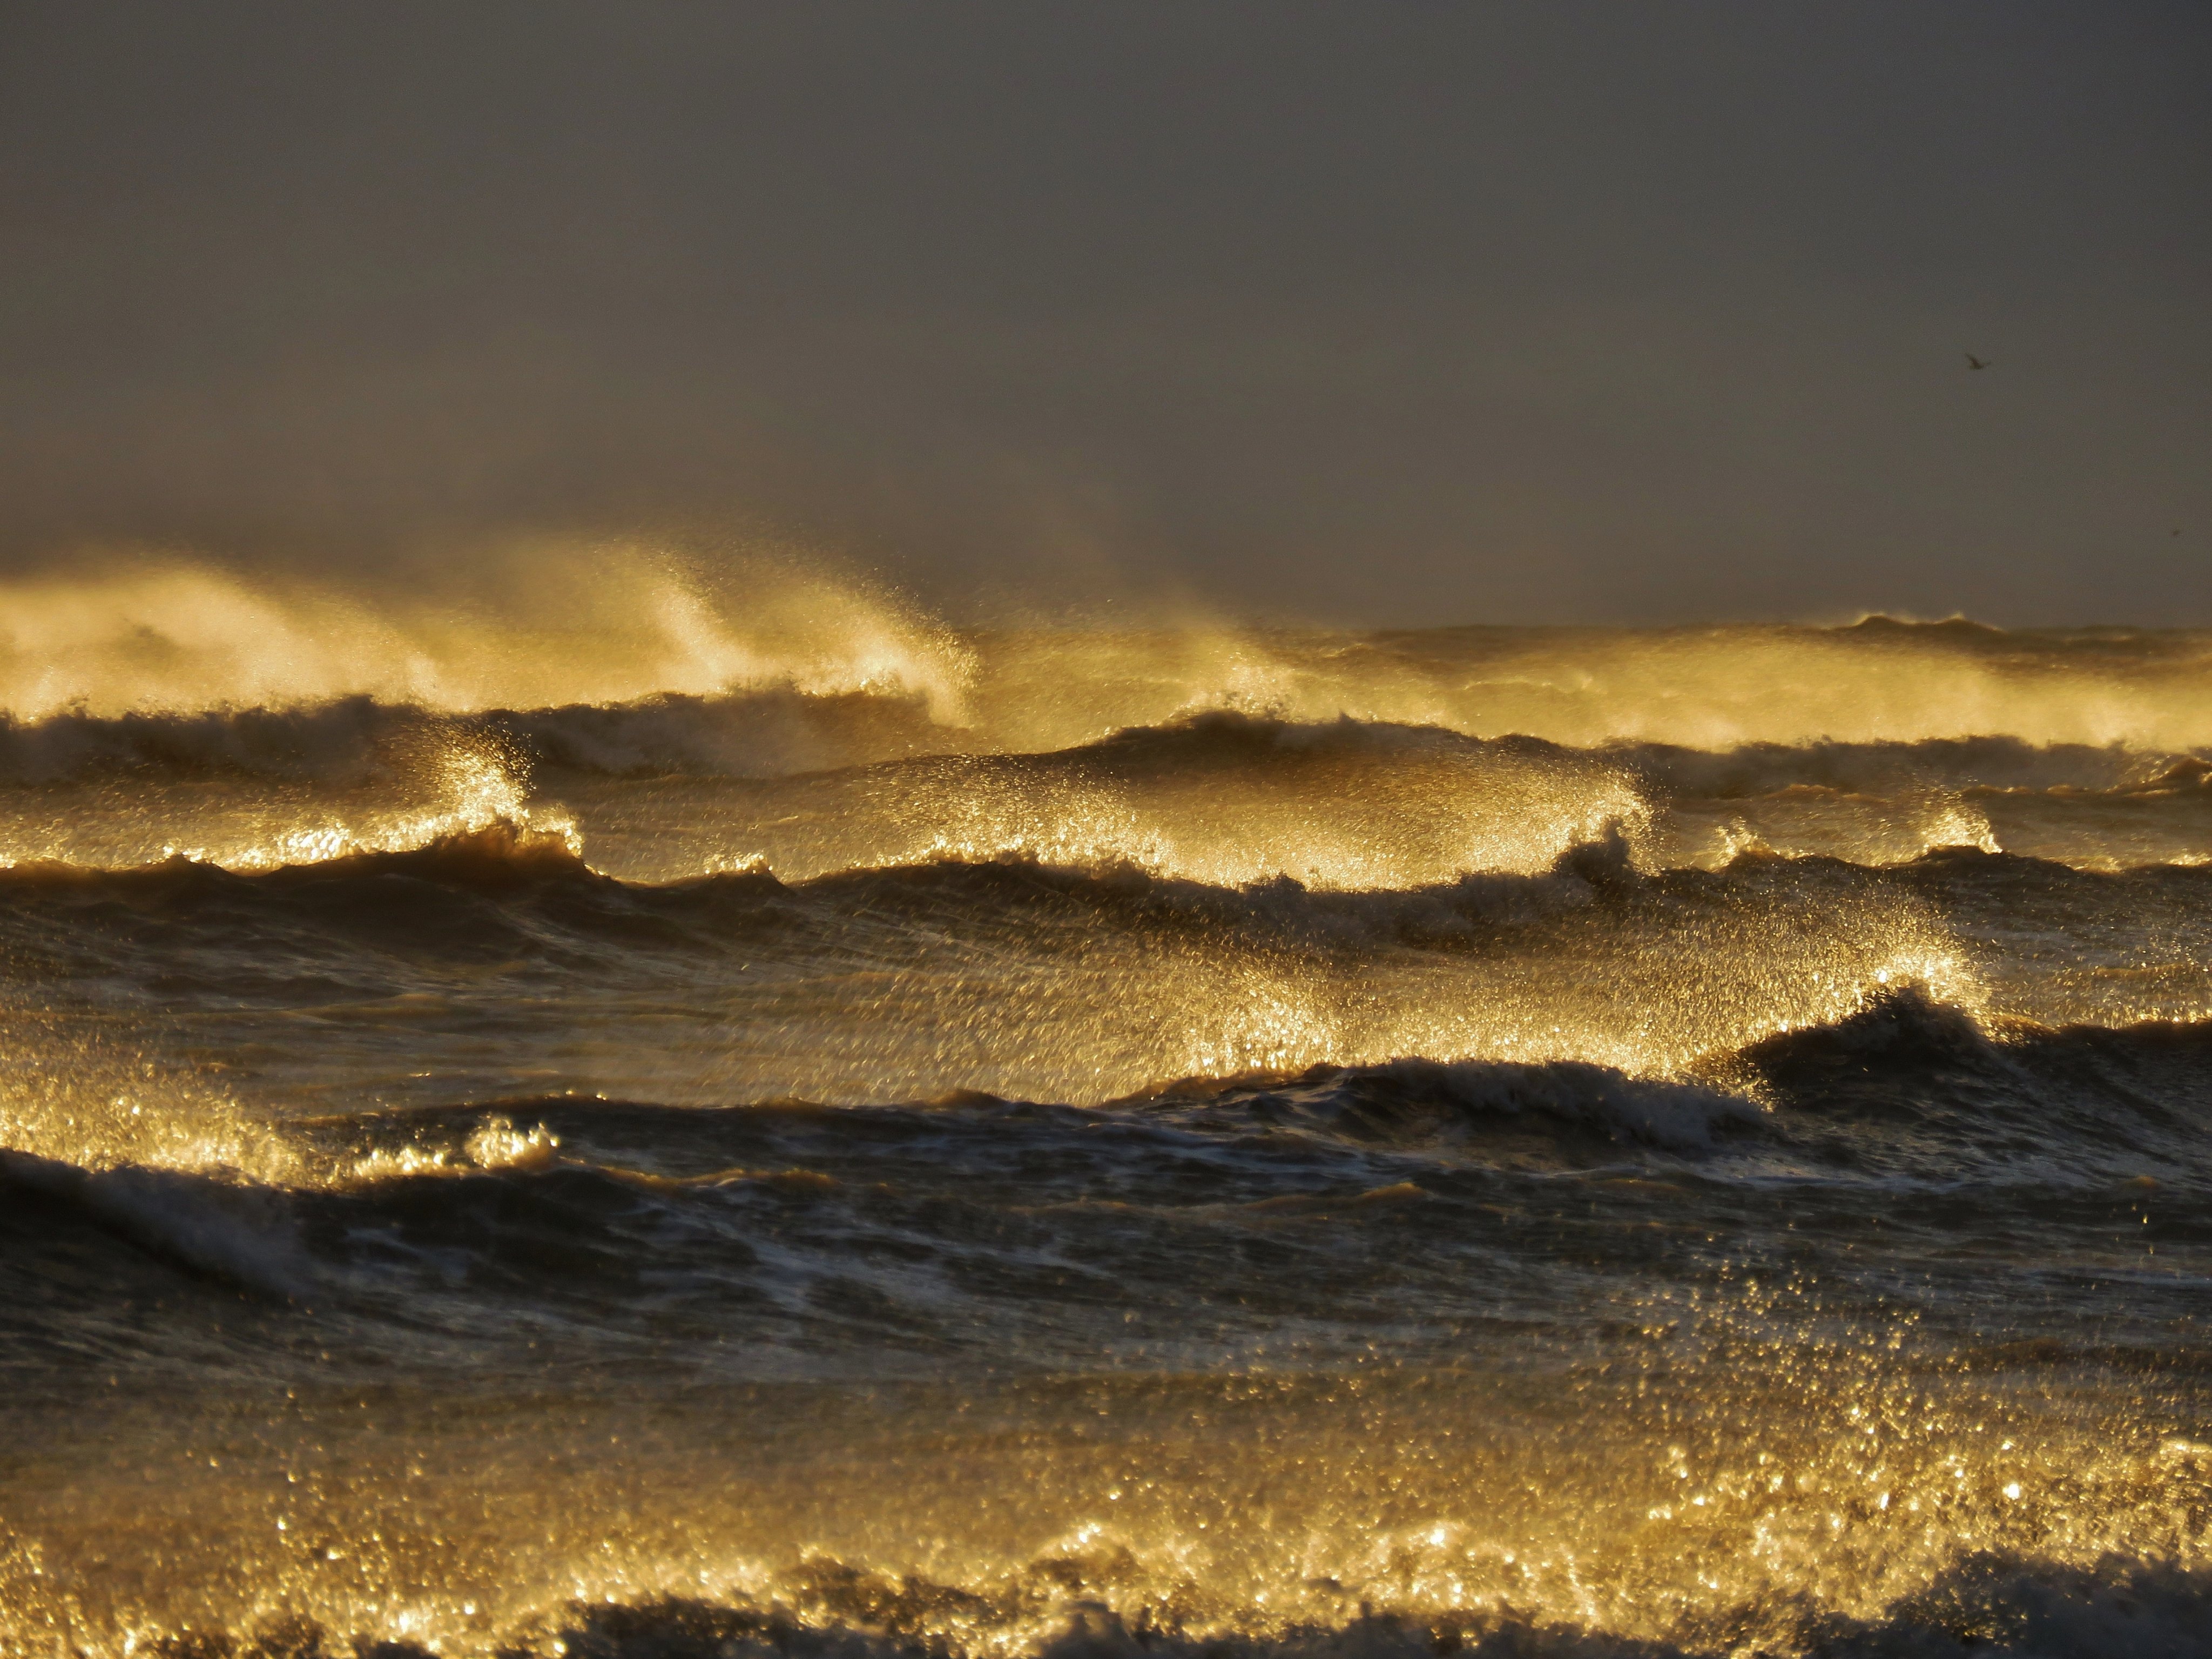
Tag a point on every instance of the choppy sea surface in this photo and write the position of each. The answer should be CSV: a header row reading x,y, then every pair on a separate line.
x,y
1078,1142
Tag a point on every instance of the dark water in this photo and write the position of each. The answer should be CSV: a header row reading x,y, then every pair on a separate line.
x,y
1530,1142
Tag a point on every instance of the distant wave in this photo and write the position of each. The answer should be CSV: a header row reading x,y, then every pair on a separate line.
x,y
1751,770
820,785
502,854
505,855
507,861
865,780
356,740
777,731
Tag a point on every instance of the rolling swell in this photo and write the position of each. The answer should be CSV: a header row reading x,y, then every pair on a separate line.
x,y
812,786
1216,1204
508,861
1995,763
753,733
358,740
772,731
1041,981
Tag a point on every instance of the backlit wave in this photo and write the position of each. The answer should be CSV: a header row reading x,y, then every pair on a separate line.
x,y
566,624
677,786
570,624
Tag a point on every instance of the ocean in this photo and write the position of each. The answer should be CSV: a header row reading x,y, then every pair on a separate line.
x,y
883,1139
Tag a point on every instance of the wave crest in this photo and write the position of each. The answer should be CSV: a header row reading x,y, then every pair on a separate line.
x,y
572,624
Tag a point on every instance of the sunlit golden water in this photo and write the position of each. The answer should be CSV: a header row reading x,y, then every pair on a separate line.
x,y
1796,1487
660,1114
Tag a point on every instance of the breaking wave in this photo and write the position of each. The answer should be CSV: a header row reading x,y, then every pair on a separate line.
x,y
504,855
569,624
808,785
566,1197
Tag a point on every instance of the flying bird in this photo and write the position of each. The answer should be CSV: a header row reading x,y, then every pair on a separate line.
x,y
1972,362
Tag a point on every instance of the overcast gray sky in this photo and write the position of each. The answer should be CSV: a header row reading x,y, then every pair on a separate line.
x,y
1398,311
